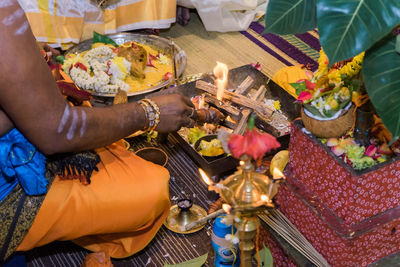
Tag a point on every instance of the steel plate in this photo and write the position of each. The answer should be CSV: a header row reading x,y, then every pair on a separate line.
x,y
156,42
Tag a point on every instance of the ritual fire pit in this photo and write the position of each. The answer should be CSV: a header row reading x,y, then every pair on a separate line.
x,y
248,91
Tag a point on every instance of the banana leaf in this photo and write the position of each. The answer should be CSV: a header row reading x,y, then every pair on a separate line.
x,y
265,257
290,16
326,113
381,74
100,38
347,28
197,262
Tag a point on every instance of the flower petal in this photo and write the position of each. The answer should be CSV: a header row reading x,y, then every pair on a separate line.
x,y
305,95
338,150
310,85
253,143
332,142
237,145
370,151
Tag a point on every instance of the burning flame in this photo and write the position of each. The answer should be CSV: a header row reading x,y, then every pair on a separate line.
x,y
265,198
221,73
277,173
227,208
205,178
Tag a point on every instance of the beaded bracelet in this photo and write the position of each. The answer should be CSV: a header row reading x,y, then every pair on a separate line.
x,y
152,113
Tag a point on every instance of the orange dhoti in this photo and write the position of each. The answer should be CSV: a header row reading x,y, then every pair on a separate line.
x,y
119,212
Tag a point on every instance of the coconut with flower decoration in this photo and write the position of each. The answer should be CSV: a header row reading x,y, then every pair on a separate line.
x,y
247,192
327,96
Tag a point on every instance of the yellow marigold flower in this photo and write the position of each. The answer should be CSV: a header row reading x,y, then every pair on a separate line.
x,y
322,64
353,67
333,104
277,105
345,91
355,95
334,76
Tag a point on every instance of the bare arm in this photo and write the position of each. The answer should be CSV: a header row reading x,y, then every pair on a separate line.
x,y
29,97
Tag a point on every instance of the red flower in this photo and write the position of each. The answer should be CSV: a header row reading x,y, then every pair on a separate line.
x,y
310,85
253,143
305,95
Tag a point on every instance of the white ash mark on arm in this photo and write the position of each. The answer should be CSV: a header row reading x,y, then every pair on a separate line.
x,y
22,29
83,125
11,19
64,119
6,3
72,128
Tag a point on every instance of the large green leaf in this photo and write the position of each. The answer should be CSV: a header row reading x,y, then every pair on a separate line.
x,y
381,73
348,27
197,262
290,16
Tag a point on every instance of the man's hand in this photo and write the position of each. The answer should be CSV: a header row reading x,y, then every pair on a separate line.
x,y
175,110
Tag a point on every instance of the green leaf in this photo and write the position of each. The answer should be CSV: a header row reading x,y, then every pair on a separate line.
x,y
398,43
251,123
290,16
312,109
60,59
265,257
299,87
197,262
349,27
100,38
381,73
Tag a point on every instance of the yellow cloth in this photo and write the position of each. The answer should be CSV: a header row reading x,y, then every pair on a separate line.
x,y
118,213
65,22
287,75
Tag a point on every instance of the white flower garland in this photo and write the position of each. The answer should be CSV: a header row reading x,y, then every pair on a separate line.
x,y
105,71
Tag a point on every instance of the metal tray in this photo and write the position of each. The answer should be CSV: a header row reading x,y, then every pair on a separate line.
x,y
223,165
154,41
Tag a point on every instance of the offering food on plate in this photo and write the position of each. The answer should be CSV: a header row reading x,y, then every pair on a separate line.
x,y
194,134
106,67
212,148
137,56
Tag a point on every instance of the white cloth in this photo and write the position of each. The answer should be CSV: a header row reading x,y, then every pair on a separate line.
x,y
227,15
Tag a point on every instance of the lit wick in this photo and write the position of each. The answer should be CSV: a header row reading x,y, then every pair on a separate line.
x,y
216,186
227,208
265,198
205,178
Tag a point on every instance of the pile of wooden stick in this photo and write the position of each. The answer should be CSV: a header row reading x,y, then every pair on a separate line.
x,y
244,104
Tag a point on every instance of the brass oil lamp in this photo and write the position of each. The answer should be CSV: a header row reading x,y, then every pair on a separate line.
x,y
246,193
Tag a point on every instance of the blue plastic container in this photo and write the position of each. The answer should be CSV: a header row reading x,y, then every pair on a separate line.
x,y
224,250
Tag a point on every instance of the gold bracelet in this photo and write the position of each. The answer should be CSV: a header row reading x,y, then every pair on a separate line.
x,y
154,118
152,113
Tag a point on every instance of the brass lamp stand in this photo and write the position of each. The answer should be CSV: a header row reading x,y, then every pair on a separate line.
x,y
247,192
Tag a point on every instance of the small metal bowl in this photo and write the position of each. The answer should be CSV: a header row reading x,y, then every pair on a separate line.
x,y
153,154
207,138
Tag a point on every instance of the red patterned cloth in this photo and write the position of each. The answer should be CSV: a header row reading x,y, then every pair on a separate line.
x,y
350,217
